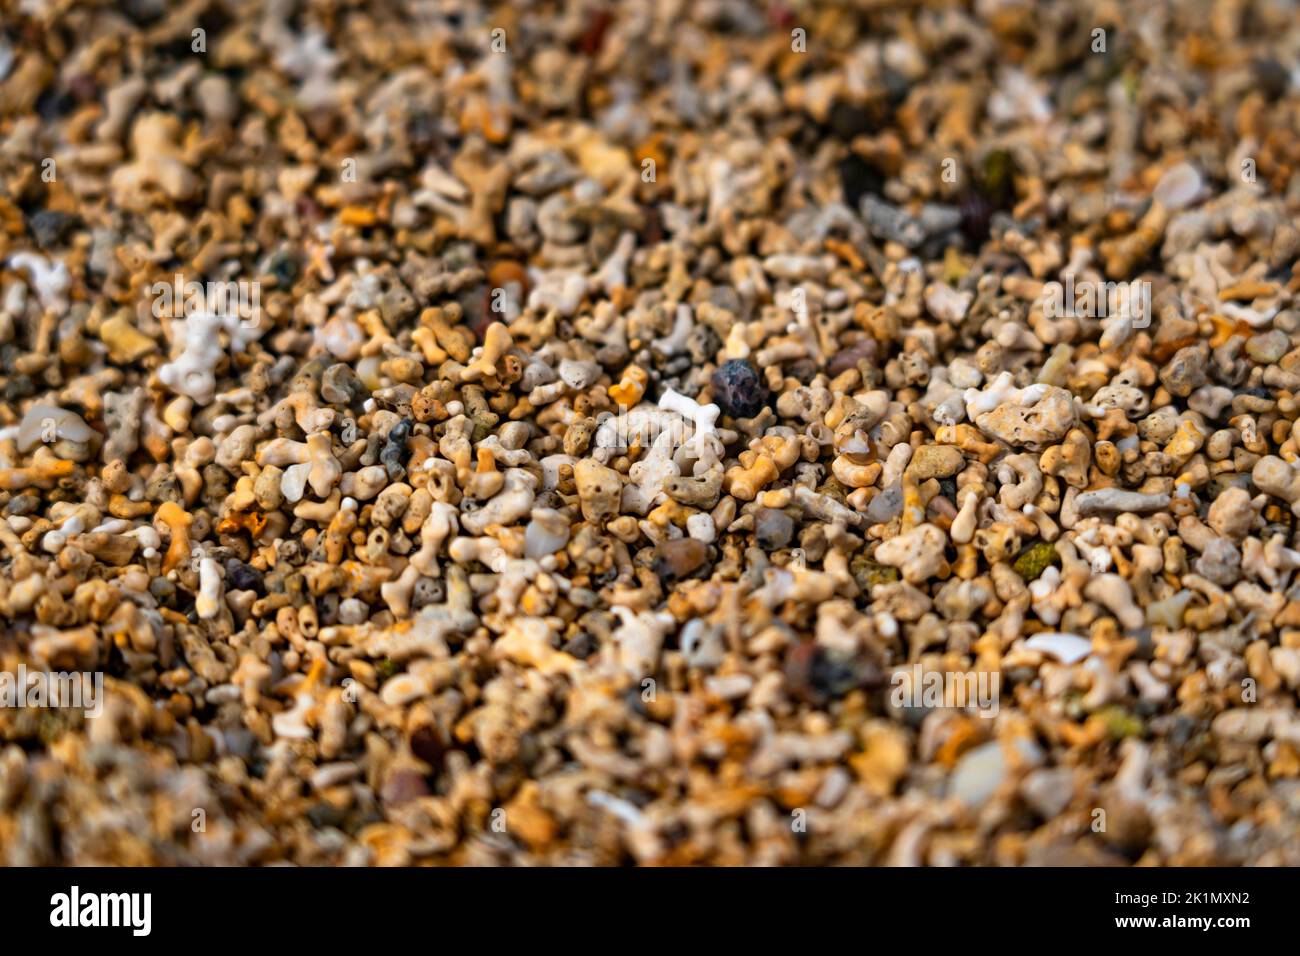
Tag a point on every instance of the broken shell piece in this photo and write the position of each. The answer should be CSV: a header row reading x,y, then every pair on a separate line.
x,y
48,424
1066,648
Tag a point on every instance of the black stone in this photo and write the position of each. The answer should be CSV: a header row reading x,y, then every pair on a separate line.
x,y
848,120
859,178
243,577
49,226
739,389
1272,78
582,646
773,529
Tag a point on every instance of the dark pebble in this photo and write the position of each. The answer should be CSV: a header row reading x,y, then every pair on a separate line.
x,y
243,577
726,297
1146,647
848,358
395,450
327,609
1147,708
859,178
848,120
422,129
593,34
702,344
54,104
818,675
773,530
652,226
1272,78
897,87
832,675
19,386
323,814
976,216
581,646
22,504
50,226
284,268
804,661
803,370
429,744
739,390
163,591
680,557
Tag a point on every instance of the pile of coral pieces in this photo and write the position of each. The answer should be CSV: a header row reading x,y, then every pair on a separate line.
x,y
633,392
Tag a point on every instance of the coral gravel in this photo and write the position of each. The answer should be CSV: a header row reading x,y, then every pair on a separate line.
x,y
649,432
